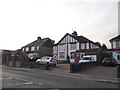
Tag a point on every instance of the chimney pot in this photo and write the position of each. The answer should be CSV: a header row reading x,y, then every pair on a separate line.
x,y
39,38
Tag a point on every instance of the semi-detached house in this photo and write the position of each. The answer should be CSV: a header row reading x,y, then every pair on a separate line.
x,y
115,45
38,48
66,47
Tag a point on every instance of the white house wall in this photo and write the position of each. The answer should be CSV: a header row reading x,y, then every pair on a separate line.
x,y
68,39
55,49
77,47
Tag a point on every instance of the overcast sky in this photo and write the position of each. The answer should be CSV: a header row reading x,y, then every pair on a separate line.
x,y
22,21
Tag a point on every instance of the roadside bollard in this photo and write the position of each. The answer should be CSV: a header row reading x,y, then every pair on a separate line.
x,y
118,70
31,64
71,67
47,66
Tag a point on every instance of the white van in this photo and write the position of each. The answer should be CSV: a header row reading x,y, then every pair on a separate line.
x,y
87,59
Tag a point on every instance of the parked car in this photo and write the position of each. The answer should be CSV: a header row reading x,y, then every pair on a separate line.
x,y
33,56
109,61
86,59
47,60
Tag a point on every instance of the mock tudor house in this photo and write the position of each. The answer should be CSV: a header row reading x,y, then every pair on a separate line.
x,y
38,48
70,43
115,45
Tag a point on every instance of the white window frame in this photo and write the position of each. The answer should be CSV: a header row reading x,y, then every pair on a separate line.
x,y
117,44
87,45
27,48
23,49
73,46
61,47
33,48
38,47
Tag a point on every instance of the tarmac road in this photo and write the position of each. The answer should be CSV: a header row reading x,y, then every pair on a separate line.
x,y
36,78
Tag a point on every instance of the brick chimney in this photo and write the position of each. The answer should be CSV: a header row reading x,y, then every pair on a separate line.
x,y
74,33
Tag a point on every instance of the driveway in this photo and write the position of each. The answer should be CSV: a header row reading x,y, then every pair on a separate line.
x,y
98,71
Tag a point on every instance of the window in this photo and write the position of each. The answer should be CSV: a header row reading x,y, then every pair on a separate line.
x,y
23,49
37,47
62,47
54,48
61,55
114,44
83,46
32,48
87,45
73,46
72,55
27,48
47,58
117,44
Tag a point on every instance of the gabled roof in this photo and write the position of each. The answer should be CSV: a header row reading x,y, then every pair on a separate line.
x,y
115,38
80,39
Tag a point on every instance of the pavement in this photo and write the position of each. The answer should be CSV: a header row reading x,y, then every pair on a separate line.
x,y
98,73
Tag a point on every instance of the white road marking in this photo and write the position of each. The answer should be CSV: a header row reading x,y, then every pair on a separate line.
x,y
8,78
28,81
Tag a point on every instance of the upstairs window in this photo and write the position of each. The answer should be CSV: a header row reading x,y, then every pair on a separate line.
x,y
61,47
37,47
73,47
83,46
117,44
23,49
33,48
27,48
54,48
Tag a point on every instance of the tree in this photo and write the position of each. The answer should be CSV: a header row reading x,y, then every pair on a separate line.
x,y
98,43
104,46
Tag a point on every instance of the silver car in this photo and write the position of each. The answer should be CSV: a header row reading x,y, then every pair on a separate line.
x,y
47,60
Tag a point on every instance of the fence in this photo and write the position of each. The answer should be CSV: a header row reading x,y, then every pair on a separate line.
x,y
16,61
